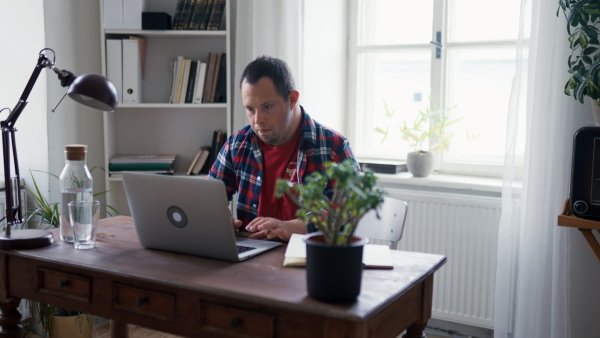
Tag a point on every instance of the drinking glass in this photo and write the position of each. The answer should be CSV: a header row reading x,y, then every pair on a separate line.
x,y
84,216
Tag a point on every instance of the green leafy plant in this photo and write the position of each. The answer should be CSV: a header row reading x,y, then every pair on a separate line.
x,y
336,216
584,62
428,126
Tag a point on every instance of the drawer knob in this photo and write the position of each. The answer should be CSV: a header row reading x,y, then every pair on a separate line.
x,y
62,283
236,322
141,300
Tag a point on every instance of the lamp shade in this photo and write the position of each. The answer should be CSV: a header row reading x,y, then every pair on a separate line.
x,y
95,91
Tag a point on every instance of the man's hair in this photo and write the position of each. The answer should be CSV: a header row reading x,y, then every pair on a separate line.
x,y
275,69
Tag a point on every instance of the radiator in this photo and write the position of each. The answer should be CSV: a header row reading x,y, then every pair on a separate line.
x,y
465,229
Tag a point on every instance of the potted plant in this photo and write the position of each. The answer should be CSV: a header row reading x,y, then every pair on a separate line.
x,y
428,132
56,321
584,62
334,254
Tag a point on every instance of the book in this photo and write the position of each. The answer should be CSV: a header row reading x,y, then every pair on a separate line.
x,y
200,78
214,23
175,83
213,87
207,13
194,161
173,68
201,163
384,168
375,256
189,95
197,14
178,79
221,87
142,158
184,80
210,73
185,11
177,15
140,166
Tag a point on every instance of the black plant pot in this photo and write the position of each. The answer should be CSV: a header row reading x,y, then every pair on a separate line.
x,y
334,273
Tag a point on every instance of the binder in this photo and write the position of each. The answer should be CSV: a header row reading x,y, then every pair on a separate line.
x,y
123,14
114,65
132,71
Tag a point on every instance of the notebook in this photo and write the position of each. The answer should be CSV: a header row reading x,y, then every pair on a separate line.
x,y
186,214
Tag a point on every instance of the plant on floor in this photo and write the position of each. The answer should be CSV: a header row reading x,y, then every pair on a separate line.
x,y
337,214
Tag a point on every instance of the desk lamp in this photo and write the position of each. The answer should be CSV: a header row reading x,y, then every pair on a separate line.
x,y
92,90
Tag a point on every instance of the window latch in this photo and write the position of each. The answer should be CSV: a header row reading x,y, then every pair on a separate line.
x,y
437,44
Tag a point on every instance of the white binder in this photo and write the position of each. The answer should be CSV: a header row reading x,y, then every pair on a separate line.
x,y
114,65
132,71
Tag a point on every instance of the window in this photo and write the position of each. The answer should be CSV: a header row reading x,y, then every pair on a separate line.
x,y
395,61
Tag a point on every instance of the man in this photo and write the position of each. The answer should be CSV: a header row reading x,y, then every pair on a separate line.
x,y
281,141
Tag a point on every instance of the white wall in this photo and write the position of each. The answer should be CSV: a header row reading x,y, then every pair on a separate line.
x,y
73,31
19,57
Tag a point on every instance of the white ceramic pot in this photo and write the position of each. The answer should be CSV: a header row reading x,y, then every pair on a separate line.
x,y
420,163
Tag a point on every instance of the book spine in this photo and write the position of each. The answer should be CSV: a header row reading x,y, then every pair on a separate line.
x,y
221,91
207,13
184,14
210,72
216,15
140,166
197,15
213,86
177,16
189,95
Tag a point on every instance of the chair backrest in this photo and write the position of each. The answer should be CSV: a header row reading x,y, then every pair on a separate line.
x,y
389,226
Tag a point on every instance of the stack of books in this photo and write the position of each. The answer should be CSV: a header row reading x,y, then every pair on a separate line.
x,y
152,164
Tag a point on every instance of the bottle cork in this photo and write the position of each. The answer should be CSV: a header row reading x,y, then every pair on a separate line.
x,y
75,152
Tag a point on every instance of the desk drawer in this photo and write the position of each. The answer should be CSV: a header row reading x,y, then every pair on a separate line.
x,y
65,285
237,321
159,305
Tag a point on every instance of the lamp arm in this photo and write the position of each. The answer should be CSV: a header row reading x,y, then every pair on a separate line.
x,y
11,184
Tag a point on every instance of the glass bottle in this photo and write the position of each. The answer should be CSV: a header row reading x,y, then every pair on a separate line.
x,y
75,185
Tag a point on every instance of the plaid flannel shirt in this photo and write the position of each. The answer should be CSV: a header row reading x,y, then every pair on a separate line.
x,y
239,163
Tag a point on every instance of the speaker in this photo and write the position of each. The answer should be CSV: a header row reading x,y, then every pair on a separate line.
x,y
585,174
156,21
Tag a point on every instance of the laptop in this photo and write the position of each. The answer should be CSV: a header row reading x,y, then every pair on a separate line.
x,y
187,214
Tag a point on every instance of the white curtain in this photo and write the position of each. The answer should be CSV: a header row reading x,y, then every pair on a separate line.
x,y
533,275
266,27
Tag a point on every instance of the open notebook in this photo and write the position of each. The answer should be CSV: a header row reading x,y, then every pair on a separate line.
x,y
375,256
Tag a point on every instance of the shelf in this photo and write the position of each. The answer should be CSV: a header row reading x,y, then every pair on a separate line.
x,y
585,226
173,105
167,33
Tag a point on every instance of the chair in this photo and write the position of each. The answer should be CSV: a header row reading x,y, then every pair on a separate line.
x,y
390,225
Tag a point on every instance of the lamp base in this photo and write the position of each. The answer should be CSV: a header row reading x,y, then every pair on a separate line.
x,y
26,239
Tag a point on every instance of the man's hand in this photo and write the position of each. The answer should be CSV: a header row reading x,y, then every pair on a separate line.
x,y
270,228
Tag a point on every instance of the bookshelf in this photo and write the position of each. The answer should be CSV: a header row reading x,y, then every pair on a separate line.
x,y
155,126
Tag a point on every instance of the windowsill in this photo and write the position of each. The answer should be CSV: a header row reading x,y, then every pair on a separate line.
x,y
476,185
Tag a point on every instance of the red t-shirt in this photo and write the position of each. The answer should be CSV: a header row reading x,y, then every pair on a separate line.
x,y
279,162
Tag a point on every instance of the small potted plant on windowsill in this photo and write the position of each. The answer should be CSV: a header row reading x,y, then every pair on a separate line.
x,y
334,254
428,132
584,62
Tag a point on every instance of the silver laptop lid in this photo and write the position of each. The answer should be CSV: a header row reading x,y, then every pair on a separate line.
x,y
182,214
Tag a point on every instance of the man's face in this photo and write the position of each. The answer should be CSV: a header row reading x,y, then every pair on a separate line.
x,y
269,114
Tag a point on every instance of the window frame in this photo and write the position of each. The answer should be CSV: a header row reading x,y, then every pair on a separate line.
x,y
439,82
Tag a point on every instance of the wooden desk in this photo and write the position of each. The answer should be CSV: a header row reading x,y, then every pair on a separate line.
x,y
192,296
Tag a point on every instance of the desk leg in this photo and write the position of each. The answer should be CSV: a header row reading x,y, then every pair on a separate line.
x,y
417,328
10,319
119,329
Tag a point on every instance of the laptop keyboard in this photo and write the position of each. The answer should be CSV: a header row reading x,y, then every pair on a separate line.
x,y
242,248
